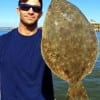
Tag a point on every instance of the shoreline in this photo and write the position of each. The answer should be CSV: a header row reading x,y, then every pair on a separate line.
x,y
6,28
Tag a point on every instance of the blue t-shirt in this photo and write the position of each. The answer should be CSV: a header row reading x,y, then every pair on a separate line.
x,y
23,68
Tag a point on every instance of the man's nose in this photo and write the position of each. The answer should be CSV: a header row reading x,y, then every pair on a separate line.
x,y
31,10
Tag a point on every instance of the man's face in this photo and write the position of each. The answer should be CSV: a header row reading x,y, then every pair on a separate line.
x,y
29,12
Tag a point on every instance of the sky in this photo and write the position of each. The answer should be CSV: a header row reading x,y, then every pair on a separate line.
x,y
9,17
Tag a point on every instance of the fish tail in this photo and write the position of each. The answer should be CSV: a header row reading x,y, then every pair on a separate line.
x,y
77,91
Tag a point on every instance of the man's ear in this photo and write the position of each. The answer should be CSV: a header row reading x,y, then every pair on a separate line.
x,y
40,14
18,12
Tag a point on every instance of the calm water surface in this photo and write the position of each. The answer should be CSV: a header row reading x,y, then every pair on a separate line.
x,y
91,82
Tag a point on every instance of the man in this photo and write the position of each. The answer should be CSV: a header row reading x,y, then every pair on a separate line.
x,y
24,74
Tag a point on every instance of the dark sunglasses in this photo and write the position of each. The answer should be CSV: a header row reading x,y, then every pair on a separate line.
x,y
26,7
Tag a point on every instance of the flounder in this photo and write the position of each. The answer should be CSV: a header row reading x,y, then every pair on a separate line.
x,y
69,46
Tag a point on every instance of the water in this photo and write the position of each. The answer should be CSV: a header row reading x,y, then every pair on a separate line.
x,y
3,31
91,82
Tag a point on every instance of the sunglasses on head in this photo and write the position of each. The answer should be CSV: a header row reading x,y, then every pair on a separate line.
x,y
26,7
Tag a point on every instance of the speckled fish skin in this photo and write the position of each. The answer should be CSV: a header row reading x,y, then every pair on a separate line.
x,y
69,43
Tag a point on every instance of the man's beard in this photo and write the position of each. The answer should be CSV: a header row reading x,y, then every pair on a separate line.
x,y
29,24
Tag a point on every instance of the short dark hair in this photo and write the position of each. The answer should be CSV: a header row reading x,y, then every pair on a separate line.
x,y
24,1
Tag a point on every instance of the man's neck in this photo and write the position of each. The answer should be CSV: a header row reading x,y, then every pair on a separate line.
x,y
27,30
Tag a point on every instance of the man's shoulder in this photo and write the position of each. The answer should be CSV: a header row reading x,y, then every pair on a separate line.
x,y
40,29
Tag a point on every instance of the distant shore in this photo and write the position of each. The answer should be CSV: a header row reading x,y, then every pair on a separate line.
x,y
6,28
